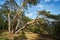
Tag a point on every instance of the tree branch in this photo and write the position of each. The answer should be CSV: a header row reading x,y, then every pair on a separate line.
x,y
28,23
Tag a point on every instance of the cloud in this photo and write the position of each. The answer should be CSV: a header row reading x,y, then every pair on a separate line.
x,y
49,6
30,14
40,5
47,0
0,7
48,10
56,0
36,12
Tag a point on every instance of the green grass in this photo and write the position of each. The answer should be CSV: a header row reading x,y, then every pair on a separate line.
x,y
1,38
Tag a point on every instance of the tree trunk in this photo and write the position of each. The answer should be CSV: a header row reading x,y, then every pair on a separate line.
x,y
9,22
28,23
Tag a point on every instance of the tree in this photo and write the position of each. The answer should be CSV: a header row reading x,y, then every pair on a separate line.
x,y
46,17
47,14
53,27
14,14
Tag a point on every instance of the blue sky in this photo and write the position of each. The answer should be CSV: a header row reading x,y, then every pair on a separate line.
x,y
50,5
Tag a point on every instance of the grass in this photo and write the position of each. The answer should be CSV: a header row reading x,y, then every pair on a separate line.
x,y
26,35
2,39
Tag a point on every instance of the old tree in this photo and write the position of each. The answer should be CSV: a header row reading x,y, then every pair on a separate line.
x,y
13,15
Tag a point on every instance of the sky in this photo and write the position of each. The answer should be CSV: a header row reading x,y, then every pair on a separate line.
x,y
49,5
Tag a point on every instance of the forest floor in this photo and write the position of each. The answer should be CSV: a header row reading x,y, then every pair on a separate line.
x,y
35,36
25,36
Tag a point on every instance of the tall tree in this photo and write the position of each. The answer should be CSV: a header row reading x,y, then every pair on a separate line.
x,y
15,14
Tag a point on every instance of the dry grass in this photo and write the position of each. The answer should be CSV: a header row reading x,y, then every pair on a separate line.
x,y
31,36
28,35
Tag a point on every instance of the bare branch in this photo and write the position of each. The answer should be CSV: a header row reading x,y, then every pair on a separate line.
x,y
17,24
28,23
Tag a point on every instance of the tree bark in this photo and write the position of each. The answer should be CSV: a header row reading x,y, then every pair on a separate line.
x,y
9,22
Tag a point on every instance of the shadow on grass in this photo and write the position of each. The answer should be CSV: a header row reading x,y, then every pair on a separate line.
x,y
20,37
47,37
44,37
1,31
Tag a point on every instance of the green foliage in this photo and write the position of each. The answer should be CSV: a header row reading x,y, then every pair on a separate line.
x,y
47,14
33,2
5,11
27,19
57,29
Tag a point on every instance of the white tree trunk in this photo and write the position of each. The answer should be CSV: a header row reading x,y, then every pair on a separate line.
x,y
9,22
28,23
